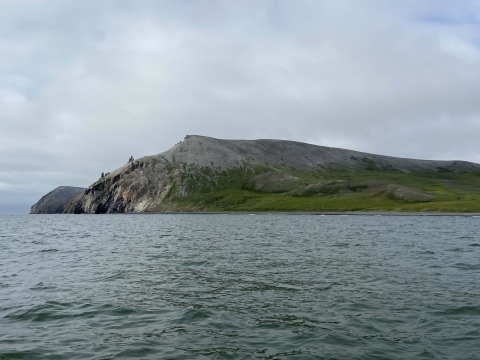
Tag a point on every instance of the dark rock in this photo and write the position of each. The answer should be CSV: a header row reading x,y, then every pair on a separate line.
x,y
55,200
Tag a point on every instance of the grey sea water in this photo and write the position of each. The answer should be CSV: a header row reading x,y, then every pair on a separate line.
x,y
239,287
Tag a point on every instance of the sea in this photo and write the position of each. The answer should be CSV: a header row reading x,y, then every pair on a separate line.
x,y
239,286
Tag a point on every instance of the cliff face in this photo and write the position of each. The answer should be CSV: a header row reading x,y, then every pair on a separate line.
x,y
139,186
165,182
54,202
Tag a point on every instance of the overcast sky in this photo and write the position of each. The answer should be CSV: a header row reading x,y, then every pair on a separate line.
x,y
85,84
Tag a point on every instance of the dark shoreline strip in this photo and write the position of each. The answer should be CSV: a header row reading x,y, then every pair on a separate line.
x,y
294,213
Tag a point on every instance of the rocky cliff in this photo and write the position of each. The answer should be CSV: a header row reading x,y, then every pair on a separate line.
x,y
197,173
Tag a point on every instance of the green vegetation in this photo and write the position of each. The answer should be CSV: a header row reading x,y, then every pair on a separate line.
x,y
268,189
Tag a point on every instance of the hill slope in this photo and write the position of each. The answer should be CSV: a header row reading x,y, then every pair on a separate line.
x,y
55,200
202,173
209,152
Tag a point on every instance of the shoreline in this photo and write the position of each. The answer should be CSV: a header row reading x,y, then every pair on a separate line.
x,y
326,213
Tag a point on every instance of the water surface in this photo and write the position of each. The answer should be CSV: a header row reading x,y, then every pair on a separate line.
x,y
239,287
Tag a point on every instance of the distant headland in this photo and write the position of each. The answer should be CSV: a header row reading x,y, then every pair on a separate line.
x,y
213,175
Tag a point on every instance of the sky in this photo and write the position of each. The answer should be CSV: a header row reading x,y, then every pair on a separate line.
x,y
85,84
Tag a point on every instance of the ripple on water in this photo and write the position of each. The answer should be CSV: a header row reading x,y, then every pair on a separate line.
x,y
48,250
462,310
456,249
468,267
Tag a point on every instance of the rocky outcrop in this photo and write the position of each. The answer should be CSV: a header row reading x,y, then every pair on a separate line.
x,y
54,202
166,181
135,187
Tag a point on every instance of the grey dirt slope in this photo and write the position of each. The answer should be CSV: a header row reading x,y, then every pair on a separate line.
x,y
210,152
157,183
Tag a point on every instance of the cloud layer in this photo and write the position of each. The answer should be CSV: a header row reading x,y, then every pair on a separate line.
x,y
86,84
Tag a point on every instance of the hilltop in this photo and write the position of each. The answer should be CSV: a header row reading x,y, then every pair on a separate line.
x,y
207,174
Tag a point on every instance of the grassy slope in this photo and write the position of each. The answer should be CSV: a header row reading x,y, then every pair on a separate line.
x,y
232,191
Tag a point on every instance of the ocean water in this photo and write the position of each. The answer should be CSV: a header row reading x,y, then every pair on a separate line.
x,y
239,287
